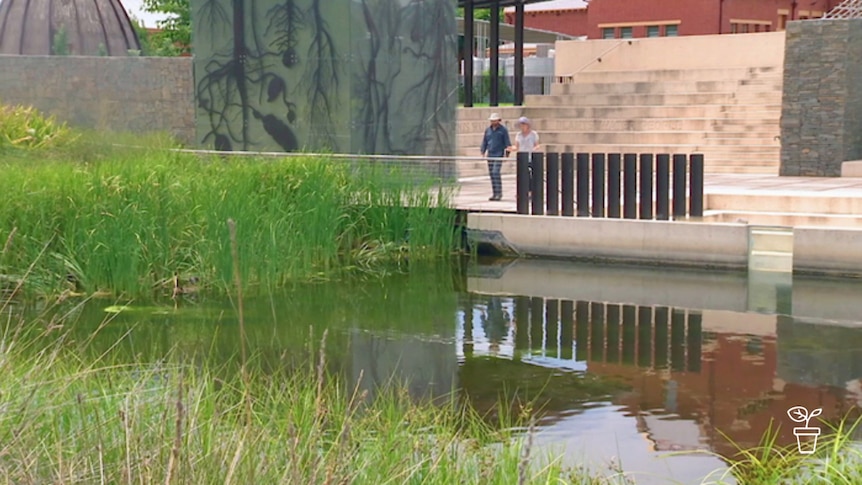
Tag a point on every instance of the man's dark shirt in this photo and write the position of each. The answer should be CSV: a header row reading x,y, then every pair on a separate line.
x,y
496,141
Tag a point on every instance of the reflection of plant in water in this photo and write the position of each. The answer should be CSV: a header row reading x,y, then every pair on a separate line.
x,y
322,79
432,92
382,19
224,88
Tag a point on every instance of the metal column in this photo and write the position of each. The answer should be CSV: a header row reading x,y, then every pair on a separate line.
x,y
468,53
495,53
519,54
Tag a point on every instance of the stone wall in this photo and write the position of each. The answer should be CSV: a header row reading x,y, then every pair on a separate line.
x,y
123,94
821,116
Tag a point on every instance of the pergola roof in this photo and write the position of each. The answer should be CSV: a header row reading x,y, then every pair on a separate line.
x,y
848,9
531,36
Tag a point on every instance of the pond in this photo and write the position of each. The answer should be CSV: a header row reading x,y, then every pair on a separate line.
x,y
645,370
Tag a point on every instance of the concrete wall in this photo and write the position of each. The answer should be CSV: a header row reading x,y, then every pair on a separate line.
x,y
827,250
124,94
821,117
690,52
819,251
645,242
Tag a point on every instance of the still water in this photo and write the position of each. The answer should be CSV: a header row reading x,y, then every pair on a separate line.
x,y
644,370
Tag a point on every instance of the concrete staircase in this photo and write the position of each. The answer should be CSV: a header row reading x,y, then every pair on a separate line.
x,y
787,209
730,115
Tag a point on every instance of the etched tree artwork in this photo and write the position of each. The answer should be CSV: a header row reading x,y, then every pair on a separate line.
x,y
370,76
405,71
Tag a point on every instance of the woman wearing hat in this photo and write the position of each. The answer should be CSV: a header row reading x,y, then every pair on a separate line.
x,y
494,145
526,140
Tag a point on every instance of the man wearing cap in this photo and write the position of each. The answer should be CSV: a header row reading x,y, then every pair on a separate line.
x,y
494,145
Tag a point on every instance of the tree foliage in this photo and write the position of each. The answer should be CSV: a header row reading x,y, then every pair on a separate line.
x,y
175,37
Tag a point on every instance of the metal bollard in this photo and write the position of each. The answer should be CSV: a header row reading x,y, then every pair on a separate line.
x,y
598,185
679,189
583,174
696,186
538,188
630,186
662,186
522,183
614,160
568,188
646,186
553,196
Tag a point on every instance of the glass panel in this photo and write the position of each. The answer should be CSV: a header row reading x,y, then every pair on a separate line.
x,y
671,30
608,33
626,33
653,31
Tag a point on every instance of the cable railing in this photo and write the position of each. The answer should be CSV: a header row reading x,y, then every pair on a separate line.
x,y
569,78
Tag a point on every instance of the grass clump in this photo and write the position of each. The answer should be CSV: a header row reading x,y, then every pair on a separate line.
x,y
25,127
129,220
836,460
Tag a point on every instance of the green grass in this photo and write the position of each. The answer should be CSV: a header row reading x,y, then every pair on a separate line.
x,y
124,220
837,459
27,128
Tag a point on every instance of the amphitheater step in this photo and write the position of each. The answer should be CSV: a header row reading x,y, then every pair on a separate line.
x,y
789,202
659,75
610,86
784,218
699,138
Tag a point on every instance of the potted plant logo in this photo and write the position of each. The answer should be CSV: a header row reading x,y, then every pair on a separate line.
x,y
806,436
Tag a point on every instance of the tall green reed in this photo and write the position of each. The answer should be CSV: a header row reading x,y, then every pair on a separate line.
x,y
124,219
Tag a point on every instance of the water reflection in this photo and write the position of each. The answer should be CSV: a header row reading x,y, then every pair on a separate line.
x,y
695,378
621,362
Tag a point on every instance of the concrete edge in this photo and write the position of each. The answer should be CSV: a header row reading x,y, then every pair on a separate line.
x,y
698,245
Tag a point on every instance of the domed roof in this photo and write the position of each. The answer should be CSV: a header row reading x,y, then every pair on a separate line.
x,y
72,27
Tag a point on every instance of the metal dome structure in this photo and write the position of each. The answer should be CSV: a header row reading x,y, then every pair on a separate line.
x,y
66,27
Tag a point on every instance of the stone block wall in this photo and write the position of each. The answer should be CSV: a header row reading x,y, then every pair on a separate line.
x,y
122,94
821,115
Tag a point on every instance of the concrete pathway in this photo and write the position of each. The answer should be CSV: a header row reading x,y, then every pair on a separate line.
x,y
474,191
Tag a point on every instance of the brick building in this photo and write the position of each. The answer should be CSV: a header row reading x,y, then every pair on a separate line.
x,y
599,19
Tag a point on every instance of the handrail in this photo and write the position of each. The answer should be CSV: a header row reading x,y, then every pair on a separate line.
x,y
597,59
337,156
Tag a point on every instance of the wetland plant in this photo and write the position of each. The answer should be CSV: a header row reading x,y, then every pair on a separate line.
x,y
126,220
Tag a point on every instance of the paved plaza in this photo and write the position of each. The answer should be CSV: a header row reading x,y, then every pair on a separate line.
x,y
474,191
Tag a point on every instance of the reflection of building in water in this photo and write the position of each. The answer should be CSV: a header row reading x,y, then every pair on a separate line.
x,y
693,375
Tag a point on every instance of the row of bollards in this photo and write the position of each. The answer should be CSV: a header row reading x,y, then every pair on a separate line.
x,y
630,186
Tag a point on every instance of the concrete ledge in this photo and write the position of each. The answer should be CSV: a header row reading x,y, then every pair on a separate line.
x,y
830,251
851,169
644,242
